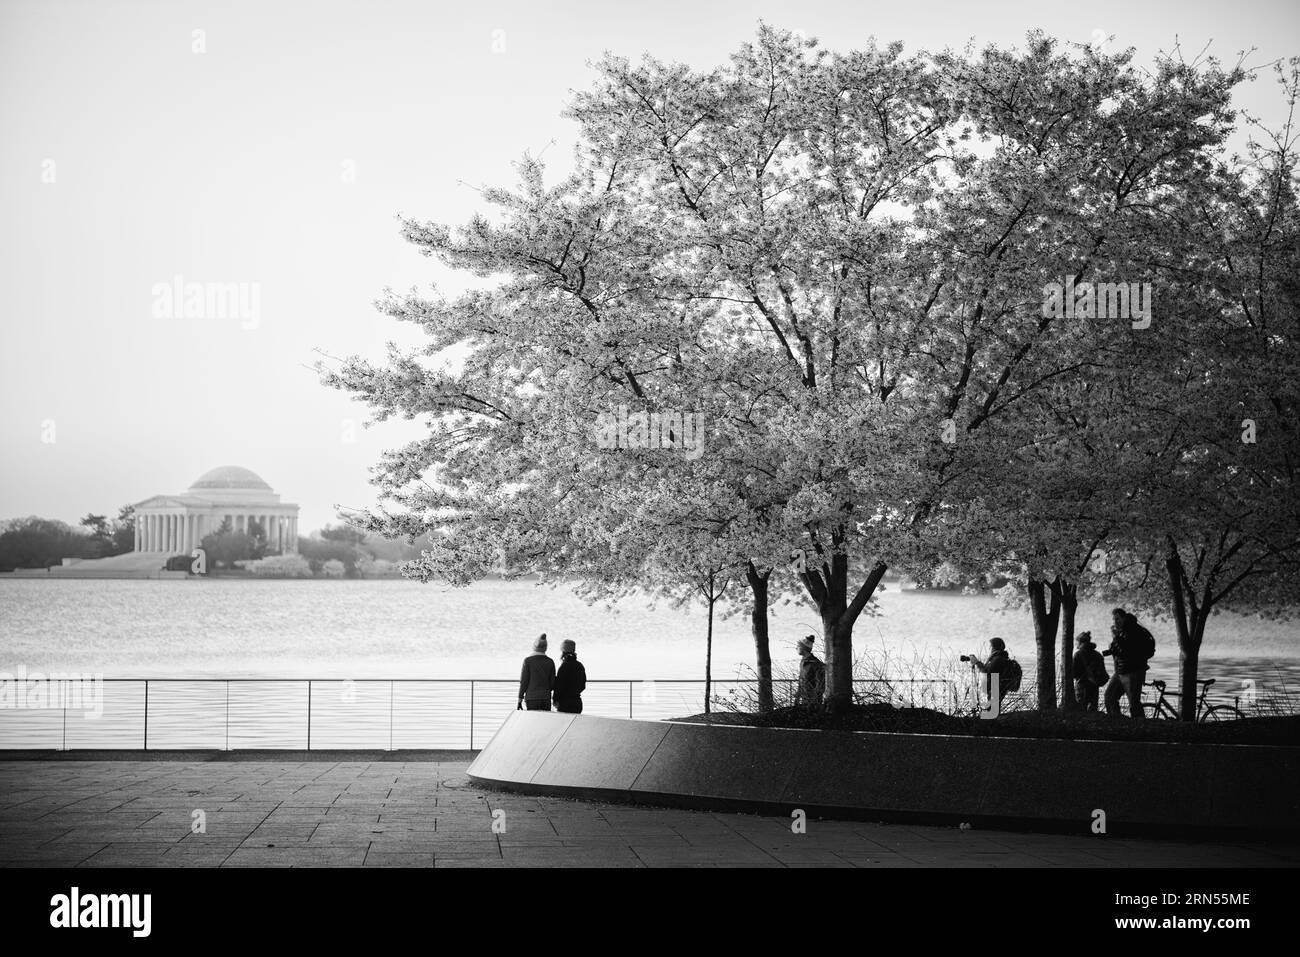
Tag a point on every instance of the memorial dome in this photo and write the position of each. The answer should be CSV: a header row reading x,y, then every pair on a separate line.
x,y
230,477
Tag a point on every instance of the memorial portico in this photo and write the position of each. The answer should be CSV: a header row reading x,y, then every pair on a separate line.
x,y
176,524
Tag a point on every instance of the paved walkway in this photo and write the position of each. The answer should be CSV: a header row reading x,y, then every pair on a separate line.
x,y
377,813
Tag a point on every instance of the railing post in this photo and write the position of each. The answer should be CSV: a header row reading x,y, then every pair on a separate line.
x,y
471,714
629,698
308,714
390,714
65,728
227,714
146,714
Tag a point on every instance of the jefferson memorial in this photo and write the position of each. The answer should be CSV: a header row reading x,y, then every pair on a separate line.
x,y
175,524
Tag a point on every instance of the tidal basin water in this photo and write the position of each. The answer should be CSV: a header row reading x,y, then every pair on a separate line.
x,y
353,637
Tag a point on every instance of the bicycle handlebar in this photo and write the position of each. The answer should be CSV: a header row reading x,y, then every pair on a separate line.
x,y
1160,685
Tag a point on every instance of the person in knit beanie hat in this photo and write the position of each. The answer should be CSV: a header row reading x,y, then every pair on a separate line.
x,y
537,678
812,675
571,681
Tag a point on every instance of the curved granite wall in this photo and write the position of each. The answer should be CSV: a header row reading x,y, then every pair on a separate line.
x,y
901,776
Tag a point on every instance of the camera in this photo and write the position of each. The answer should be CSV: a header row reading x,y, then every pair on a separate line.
x,y
965,657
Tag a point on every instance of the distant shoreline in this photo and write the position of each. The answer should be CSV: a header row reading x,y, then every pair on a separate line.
x,y
69,573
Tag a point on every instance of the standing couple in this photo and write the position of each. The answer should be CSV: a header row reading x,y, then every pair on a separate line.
x,y
539,683
1132,648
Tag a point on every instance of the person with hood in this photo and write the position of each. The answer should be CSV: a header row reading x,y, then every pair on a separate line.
x,y
1089,672
537,679
1131,646
812,675
570,681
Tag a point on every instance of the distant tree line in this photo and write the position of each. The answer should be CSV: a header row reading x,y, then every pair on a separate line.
x,y
35,542
335,551
357,551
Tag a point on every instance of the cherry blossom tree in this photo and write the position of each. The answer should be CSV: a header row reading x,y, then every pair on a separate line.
x,y
1223,527
838,260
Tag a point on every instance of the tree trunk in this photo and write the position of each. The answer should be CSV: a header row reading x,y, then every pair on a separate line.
x,y
838,645
839,660
708,662
1190,629
829,589
758,625
1069,605
1046,615
1188,663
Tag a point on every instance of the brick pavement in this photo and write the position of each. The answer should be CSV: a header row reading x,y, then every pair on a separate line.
x,y
382,811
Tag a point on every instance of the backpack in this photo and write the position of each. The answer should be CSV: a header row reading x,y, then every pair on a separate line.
x,y
1097,670
1146,644
1009,680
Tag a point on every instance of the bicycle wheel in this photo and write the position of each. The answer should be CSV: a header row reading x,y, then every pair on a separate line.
x,y
1221,712
1151,710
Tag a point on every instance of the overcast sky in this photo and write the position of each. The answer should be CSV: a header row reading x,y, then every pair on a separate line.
x,y
279,157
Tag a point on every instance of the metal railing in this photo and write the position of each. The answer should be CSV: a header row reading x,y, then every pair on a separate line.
x,y
372,713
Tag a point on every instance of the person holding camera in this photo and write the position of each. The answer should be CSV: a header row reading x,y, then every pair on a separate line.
x,y
998,664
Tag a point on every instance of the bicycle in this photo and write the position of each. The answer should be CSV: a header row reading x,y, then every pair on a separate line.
x,y
1160,708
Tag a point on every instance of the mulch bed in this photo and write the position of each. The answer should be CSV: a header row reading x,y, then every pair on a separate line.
x,y
1283,730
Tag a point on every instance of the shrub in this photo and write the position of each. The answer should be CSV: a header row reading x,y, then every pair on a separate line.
x,y
369,567
933,679
281,566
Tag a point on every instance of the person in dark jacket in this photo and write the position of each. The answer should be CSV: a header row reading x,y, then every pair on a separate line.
x,y
537,679
996,665
1129,643
812,675
570,681
1089,672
